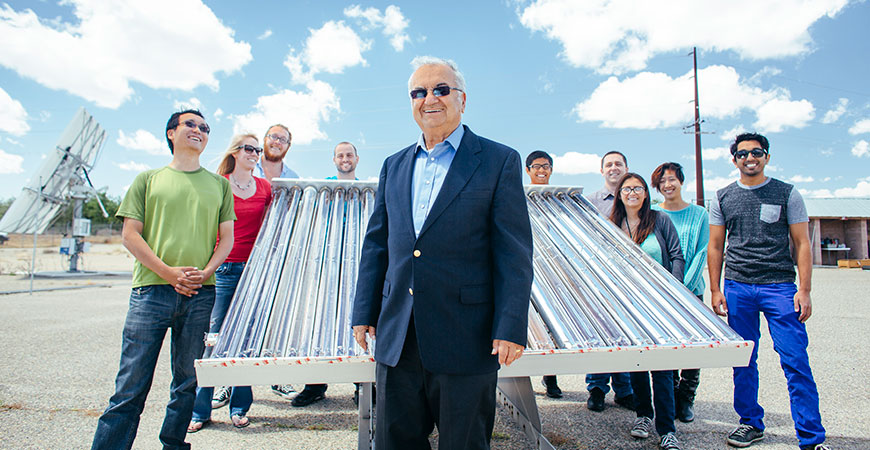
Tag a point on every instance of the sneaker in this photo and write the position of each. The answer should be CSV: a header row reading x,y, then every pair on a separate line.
x,y
552,386
816,447
626,401
744,436
596,400
669,442
308,396
642,427
284,391
221,397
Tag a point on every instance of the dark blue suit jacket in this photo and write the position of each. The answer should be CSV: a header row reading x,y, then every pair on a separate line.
x,y
472,279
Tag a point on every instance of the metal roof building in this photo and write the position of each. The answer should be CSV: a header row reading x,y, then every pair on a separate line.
x,y
838,228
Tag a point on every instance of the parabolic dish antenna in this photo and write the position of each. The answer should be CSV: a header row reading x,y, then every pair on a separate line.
x,y
65,167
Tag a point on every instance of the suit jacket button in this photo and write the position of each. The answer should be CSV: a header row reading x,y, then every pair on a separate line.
x,y
417,253
410,291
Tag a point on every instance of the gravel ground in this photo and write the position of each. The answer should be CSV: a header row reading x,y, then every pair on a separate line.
x,y
62,347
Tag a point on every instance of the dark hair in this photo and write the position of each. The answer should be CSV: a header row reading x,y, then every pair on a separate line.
x,y
173,124
535,155
765,145
344,143
656,177
614,152
647,216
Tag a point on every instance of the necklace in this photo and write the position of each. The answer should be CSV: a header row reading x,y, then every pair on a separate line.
x,y
629,227
242,188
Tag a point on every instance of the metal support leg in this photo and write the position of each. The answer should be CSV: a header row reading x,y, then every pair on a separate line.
x,y
365,433
516,395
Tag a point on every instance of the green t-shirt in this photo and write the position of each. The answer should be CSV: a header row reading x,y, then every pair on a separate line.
x,y
651,247
181,212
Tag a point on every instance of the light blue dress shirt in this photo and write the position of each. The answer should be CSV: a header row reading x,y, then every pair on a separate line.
x,y
430,168
286,172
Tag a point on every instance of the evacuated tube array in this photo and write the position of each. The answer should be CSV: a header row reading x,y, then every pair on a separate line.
x,y
592,287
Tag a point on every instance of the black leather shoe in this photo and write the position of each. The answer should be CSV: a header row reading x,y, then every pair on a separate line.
x,y
553,390
626,402
308,396
596,400
685,409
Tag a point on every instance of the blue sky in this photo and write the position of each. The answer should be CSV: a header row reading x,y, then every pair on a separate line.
x,y
573,78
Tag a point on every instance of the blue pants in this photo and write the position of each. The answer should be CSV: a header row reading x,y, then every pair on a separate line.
x,y
662,391
153,310
621,383
227,279
776,301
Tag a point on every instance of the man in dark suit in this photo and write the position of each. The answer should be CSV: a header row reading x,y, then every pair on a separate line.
x,y
445,274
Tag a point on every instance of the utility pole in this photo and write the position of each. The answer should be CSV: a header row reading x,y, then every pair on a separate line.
x,y
699,174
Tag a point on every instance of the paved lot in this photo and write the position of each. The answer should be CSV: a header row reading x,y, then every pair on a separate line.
x,y
60,356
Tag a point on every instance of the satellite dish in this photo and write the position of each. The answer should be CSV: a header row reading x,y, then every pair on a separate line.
x,y
63,176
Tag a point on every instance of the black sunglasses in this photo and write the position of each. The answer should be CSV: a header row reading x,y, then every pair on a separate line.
x,y
202,127
755,152
438,91
250,149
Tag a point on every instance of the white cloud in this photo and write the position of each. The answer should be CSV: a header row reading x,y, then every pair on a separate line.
x,y
133,166
110,45
13,116
860,127
834,114
392,22
801,179
862,189
218,113
712,154
302,112
816,192
142,140
10,163
191,103
617,36
651,100
711,184
575,163
731,134
13,141
861,148
265,34
779,113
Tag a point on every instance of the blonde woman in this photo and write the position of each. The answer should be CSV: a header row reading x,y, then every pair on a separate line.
x,y
251,196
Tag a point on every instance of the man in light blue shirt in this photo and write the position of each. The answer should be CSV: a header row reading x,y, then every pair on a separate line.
x,y
276,144
430,167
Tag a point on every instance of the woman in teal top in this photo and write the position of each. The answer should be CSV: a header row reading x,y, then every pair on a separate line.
x,y
693,227
657,236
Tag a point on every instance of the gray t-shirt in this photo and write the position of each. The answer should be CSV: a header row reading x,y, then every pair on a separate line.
x,y
756,220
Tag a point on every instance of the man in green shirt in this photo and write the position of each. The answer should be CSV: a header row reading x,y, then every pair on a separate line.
x,y
172,219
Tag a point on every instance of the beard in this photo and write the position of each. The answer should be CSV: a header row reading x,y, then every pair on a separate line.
x,y
268,155
350,170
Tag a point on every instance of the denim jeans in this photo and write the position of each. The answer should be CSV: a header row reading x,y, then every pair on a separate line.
x,y
662,395
621,383
789,335
227,278
153,310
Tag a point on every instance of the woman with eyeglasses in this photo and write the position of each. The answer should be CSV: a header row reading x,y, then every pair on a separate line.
x,y
656,235
693,228
251,196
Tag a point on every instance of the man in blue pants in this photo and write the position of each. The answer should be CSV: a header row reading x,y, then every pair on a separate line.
x,y
759,215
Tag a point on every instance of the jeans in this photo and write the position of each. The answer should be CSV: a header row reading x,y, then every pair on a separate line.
x,y
153,310
621,383
686,381
776,301
227,278
662,390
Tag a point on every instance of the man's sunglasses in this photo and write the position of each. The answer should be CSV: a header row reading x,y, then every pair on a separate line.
x,y
202,127
755,152
250,149
438,91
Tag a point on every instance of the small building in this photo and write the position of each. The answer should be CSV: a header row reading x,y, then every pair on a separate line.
x,y
838,229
